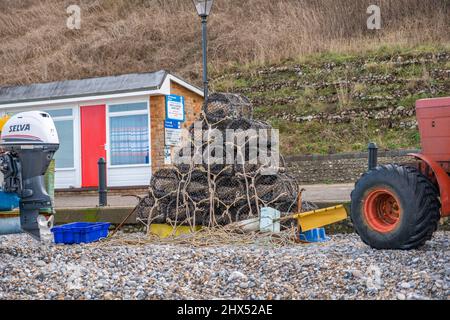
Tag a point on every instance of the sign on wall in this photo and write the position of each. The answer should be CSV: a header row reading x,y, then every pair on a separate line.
x,y
167,155
173,131
175,108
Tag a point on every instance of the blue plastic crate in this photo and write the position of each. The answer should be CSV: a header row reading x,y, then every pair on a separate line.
x,y
8,201
314,235
80,232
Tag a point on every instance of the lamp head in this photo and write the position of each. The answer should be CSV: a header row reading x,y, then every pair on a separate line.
x,y
203,7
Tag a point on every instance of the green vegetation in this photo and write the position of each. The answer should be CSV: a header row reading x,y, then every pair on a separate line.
x,y
329,84
317,138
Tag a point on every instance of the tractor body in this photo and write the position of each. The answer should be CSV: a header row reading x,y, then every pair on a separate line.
x,y
399,206
433,116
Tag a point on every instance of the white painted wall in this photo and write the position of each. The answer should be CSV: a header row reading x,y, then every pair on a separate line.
x,y
129,176
66,178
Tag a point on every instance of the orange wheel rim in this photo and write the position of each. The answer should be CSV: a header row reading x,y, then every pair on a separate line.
x,y
382,210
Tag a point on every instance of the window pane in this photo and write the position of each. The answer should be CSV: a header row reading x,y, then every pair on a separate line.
x,y
64,157
128,107
59,113
129,140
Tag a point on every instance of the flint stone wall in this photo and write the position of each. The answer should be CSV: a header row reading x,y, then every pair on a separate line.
x,y
339,168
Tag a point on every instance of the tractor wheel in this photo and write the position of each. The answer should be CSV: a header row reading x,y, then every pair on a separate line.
x,y
395,207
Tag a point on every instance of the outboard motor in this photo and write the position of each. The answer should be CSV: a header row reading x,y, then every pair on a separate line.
x,y
29,140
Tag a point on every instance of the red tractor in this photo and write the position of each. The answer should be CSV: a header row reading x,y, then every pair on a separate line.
x,y
399,206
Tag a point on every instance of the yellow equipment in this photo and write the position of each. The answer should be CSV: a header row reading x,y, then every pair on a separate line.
x,y
321,217
3,120
165,230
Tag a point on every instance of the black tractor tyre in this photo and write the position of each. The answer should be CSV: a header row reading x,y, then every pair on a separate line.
x,y
395,207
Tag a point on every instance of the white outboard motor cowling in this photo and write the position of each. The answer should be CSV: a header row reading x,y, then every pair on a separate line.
x,y
29,141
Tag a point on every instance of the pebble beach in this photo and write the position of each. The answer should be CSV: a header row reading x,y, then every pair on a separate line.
x,y
343,268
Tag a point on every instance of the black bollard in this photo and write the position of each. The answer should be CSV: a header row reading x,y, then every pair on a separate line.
x,y
102,189
373,155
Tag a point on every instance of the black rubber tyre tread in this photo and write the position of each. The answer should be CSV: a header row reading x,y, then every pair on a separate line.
x,y
418,198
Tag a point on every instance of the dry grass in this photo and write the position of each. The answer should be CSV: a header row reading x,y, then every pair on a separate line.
x,y
209,237
122,36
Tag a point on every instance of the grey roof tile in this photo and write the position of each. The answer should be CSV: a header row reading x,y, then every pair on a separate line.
x,y
80,88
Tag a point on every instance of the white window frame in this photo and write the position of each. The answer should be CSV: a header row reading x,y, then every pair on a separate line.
x,y
76,133
110,115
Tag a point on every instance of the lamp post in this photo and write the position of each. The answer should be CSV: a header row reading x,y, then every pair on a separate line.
x,y
203,9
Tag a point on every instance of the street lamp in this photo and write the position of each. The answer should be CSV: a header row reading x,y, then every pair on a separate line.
x,y
203,9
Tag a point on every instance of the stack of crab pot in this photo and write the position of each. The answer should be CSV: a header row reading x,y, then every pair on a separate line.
x,y
217,182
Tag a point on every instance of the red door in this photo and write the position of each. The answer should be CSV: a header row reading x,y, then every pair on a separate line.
x,y
93,140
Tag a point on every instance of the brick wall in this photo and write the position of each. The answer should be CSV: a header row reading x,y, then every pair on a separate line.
x,y
338,168
157,116
193,105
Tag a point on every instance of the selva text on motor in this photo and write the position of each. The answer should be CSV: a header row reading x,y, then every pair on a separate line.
x,y
20,127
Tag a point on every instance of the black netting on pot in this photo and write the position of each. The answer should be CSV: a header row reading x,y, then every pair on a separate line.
x,y
276,188
144,207
229,189
184,157
223,216
246,158
247,129
267,187
239,125
222,106
291,185
214,158
197,185
159,210
196,131
285,206
165,182
243,211
201,213
180,212
251,152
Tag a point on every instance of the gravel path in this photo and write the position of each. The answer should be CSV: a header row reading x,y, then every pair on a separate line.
x,y
343,268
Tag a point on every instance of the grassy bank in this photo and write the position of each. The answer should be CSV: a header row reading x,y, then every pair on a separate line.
x,y
333,102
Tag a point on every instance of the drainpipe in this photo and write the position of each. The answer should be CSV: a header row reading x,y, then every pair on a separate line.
x,y
10,225
205,58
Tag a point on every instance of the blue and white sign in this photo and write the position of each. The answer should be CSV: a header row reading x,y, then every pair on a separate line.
x,y
173,131
172,124
175,108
